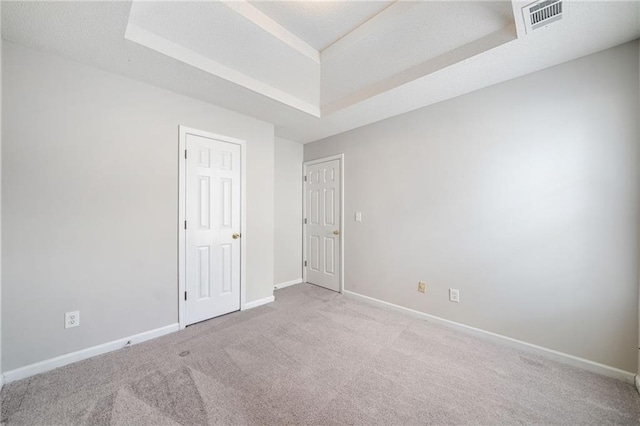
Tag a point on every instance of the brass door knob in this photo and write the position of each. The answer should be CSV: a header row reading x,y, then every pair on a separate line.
x,y
236,236
336,232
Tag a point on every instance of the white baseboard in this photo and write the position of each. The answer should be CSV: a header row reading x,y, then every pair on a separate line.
x,y
287,284
638,383
50,364
572,360
259,302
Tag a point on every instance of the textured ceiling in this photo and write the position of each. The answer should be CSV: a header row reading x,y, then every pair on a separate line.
x,y
94,33
320,23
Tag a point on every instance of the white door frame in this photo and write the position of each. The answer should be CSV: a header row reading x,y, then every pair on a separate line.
x,y
339,157
182,182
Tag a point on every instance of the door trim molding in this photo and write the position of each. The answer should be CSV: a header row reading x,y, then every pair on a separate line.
x,y
305,164
182,181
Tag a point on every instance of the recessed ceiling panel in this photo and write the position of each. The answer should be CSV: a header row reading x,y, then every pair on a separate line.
x,y
320,23
217,34
393,52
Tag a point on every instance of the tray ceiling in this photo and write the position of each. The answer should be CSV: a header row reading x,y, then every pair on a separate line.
x,y
315,69
320,57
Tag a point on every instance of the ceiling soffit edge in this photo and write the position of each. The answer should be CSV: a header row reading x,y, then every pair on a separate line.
x,y
384,18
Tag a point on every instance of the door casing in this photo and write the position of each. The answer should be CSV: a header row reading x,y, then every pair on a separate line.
x,y
183,131
305,164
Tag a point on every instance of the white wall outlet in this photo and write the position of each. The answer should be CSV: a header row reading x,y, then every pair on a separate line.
x,y
358,216
72,319
454,295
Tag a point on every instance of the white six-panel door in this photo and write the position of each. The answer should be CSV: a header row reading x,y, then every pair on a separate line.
x,y
212,235
322,214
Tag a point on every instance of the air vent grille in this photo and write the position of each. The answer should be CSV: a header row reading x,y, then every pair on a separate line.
x,y
543,13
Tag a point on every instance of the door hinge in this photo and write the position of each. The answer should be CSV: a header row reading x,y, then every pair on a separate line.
x,y
305,220
185,154
305,178
305,263
185,224
185,295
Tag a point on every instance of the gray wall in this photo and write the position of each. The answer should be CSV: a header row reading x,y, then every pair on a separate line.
x,y
1,370
524,196
90,203
288,211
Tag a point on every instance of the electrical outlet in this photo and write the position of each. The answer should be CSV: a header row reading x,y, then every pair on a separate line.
x,y
454,295
72,319
422,286
358,217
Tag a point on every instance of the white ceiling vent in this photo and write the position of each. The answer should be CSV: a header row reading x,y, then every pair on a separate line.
x,y
542,13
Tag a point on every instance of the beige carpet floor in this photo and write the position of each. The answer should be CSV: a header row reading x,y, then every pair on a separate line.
x,y
316,357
